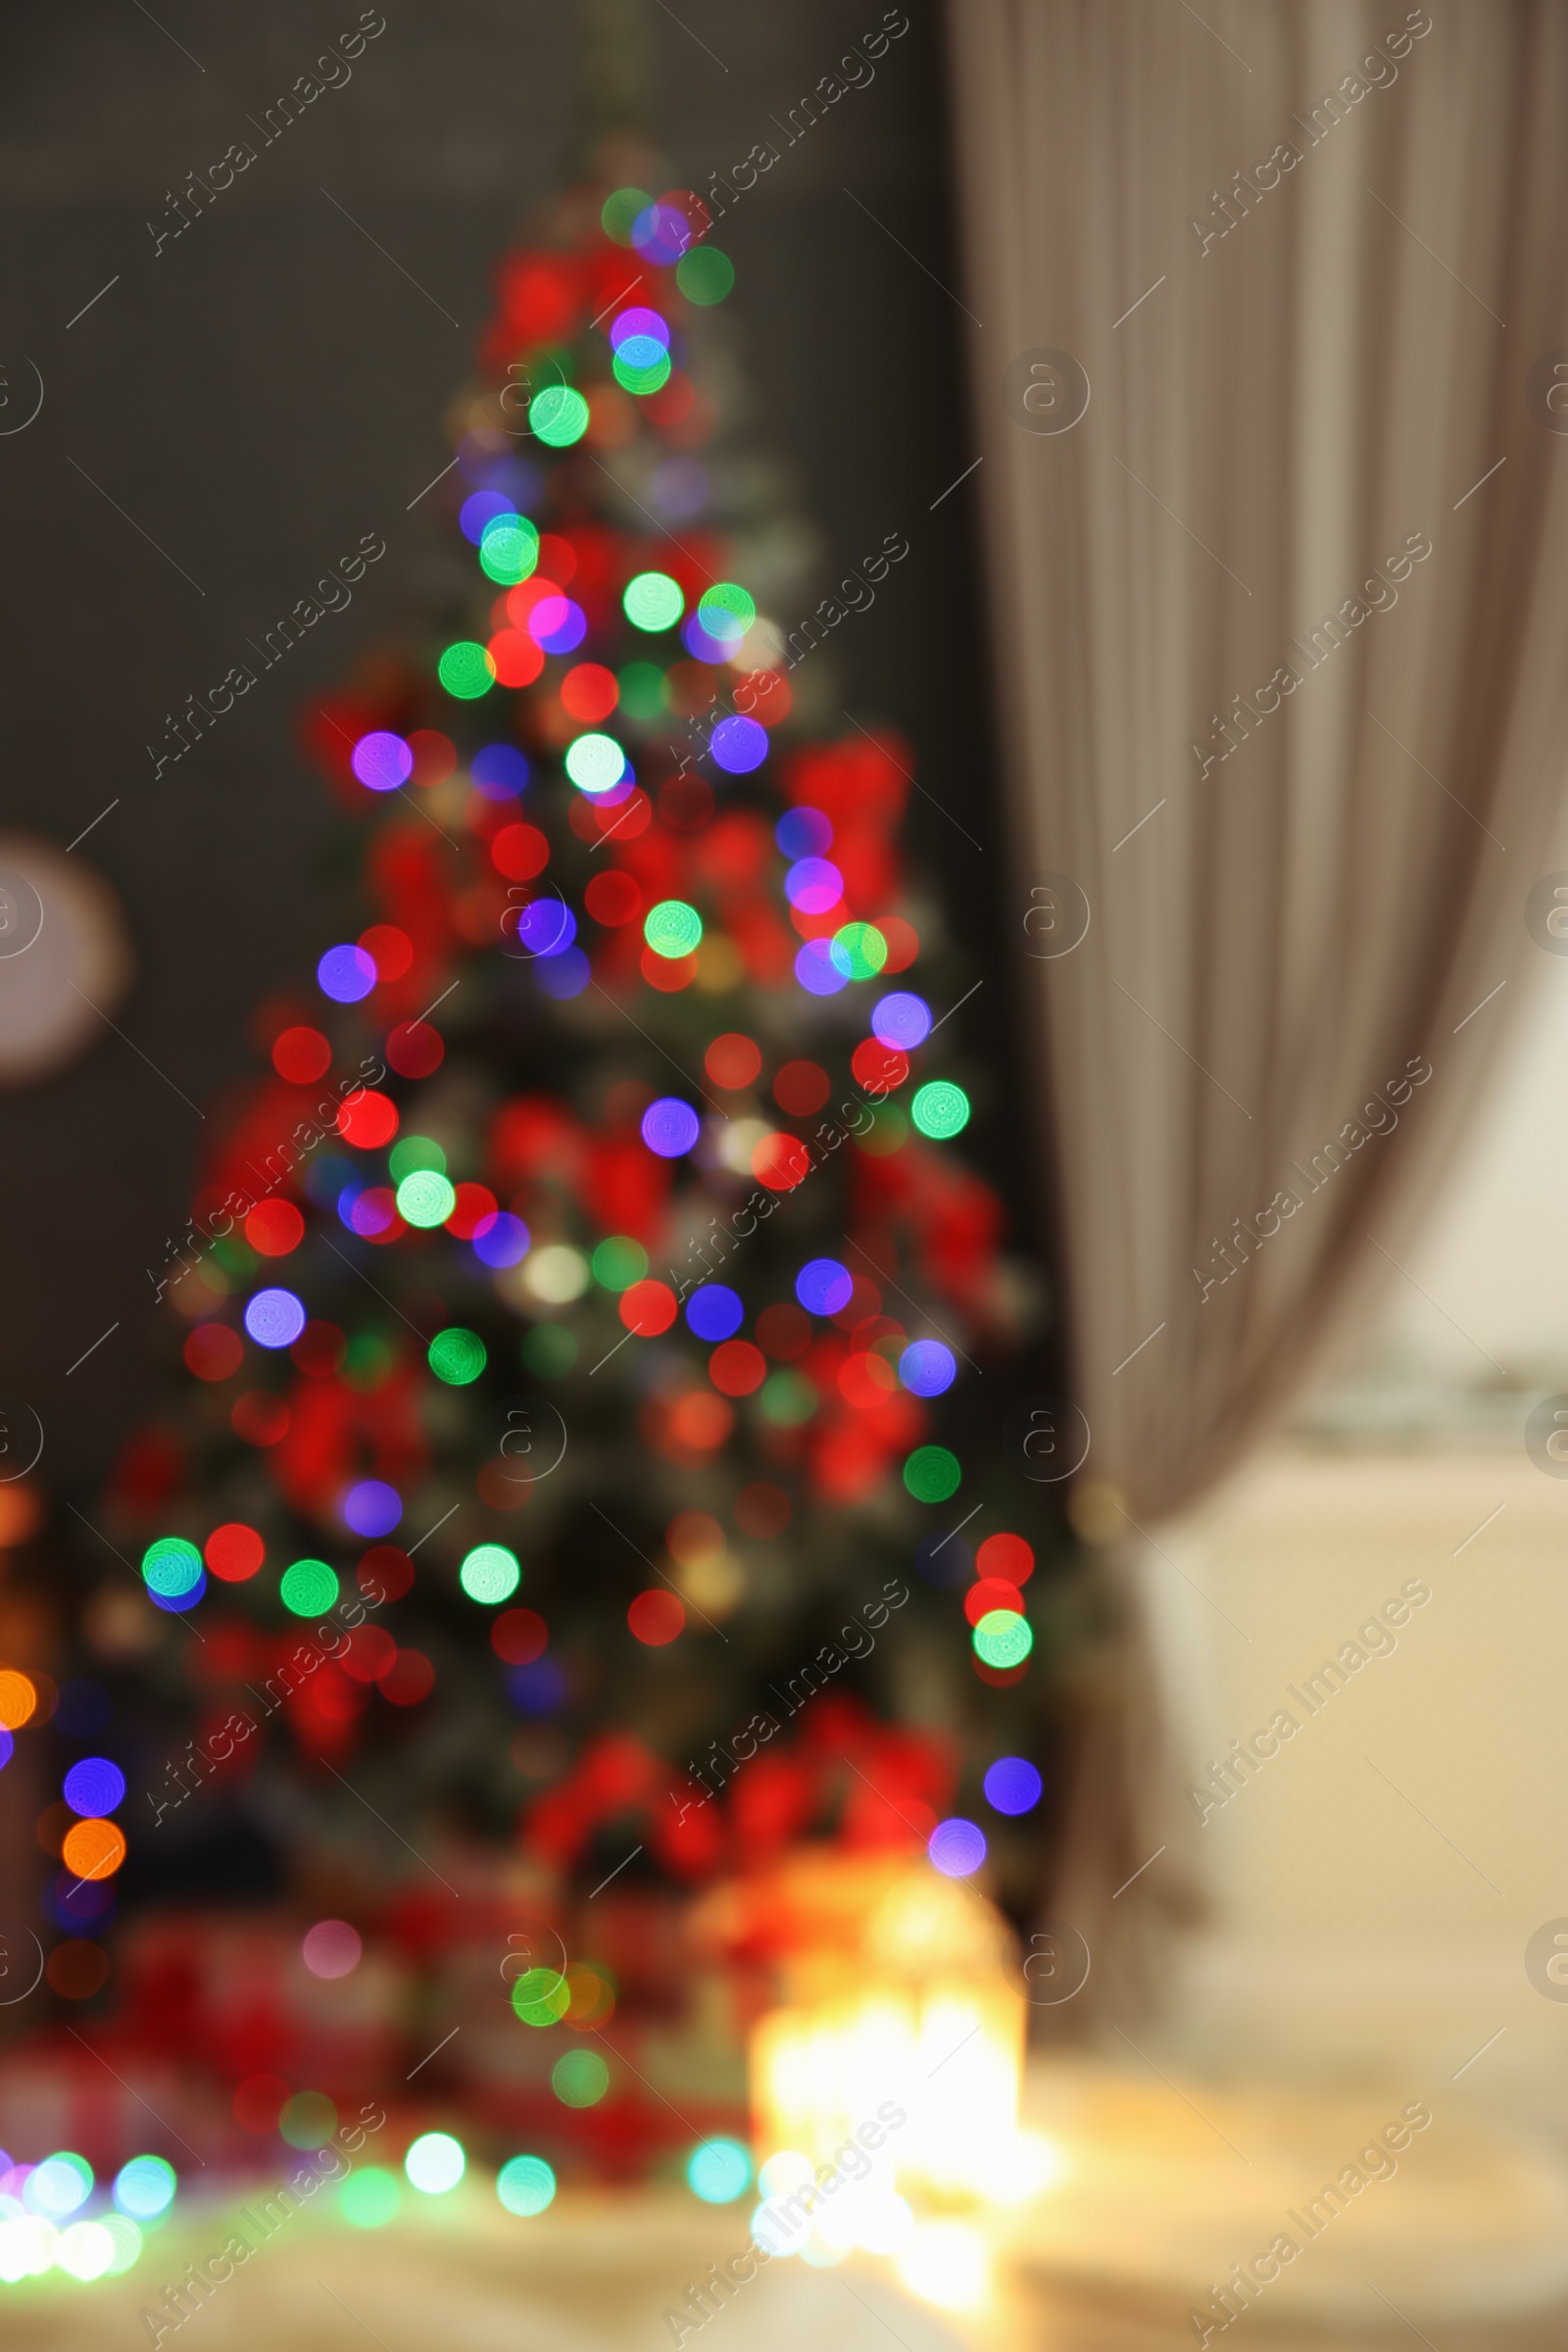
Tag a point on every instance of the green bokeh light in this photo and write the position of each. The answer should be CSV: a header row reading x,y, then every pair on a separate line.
x,y
509,550
889,1128
490,1573
426,1198
673,928
541,1996
653,601
642,380
579,2079
619,1263
1002,1638
412,1152
465,671
932,1474
525,2186
549,1349
726,611
941,1109
787,1398
371,1359
456,1356
128,2242
594,762
558,416
642,690
620,210
307,1588
309,2120
172,1566
858,951
369,2198
705,274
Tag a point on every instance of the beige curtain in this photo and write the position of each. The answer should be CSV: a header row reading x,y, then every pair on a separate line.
x,y
1311,262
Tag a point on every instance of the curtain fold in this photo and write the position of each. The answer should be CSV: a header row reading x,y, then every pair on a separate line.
x,y
1280,624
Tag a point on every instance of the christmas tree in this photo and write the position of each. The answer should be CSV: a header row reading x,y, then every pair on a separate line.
x,y
580,1311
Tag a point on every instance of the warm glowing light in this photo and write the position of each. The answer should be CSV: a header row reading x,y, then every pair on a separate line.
x,y
903,2045
93,1849
945,2263
84,2251
17,1699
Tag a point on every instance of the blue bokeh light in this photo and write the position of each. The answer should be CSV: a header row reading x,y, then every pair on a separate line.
x,y
803,833
713,1312
94,1787
382,761
500,1240
1012,1786
957,1847
499,770
346,973
671,1127
274,1318
901,1020
927,1368
561,976
738,745
371,1508
480,509
823,1287
816,971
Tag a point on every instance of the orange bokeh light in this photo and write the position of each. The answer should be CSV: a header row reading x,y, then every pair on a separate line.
x,y
93,1849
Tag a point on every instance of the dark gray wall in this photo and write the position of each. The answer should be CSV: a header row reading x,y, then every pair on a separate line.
x,y
271,385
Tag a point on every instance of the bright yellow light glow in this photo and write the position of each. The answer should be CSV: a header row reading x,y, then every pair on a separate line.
x,y
914,2017
945,2263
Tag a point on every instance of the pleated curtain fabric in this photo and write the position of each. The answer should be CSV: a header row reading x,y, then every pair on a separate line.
x,y
1280,621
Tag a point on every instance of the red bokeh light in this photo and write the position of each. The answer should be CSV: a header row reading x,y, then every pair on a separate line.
x,y
319,1349
800,1088
589,691
385,1573
736,1368
655,1617
1008,1557
415,1049
367,1120
732,1060
213,1351
613,897
520,852
410,1677
233,1551
648,1307
390,950
274,1227
260,1418
301,1055
519,1635
784,1330
989,1593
